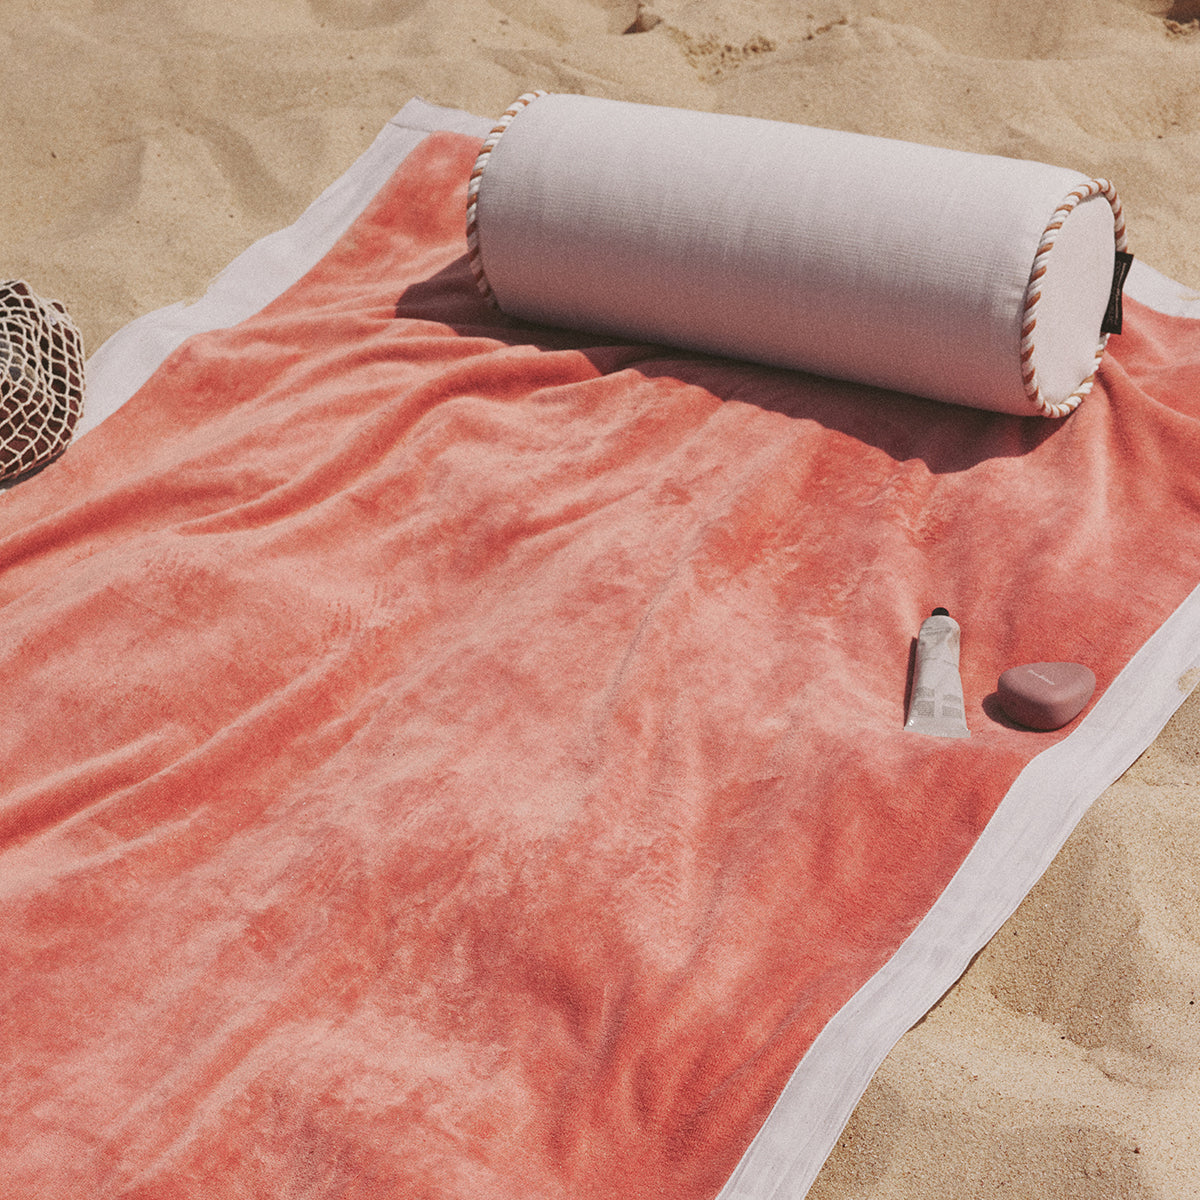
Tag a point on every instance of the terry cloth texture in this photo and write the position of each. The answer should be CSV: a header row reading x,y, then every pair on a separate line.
x,y
889,263
450,758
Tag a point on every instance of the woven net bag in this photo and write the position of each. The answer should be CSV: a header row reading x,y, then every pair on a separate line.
x,y
41,380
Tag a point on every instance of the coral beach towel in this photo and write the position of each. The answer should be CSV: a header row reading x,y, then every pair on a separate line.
x,y
445,757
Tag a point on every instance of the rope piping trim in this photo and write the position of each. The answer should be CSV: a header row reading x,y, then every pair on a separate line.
x,y
473,254
1033,292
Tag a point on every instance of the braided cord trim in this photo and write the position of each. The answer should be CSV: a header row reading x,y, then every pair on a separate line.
x,y
1033,294
473,256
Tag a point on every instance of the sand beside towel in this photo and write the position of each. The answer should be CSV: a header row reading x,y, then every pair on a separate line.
x,y
152,141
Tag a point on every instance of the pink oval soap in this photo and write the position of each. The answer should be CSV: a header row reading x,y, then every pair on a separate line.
x,y
1045,695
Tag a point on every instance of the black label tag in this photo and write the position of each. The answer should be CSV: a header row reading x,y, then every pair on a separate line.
x,y
1112,314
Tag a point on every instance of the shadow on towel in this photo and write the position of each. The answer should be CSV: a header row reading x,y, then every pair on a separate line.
x,y
947,438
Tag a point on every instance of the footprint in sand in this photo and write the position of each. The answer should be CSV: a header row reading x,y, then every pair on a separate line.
x,y
716,42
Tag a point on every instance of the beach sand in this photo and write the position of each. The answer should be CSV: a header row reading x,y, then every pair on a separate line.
x,y
149,141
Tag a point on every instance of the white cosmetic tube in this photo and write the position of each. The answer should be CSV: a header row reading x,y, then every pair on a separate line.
x,y
936,707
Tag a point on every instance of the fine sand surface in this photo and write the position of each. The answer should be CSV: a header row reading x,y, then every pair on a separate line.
x,y
146,142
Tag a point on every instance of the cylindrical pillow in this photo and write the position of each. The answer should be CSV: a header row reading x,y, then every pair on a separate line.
x,y
961,277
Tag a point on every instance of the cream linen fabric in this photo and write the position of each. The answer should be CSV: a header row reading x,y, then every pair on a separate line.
x,y
855,257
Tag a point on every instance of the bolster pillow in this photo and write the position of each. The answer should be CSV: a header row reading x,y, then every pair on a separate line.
x,y
960,277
